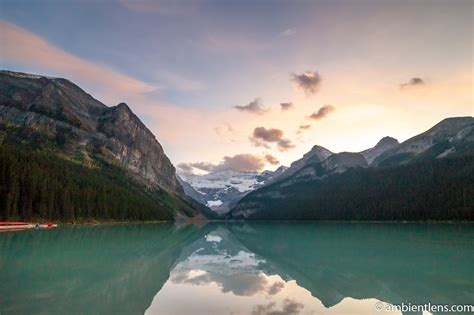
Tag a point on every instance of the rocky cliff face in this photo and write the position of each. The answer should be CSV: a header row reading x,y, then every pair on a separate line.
x,y
340,162
135,147
57,113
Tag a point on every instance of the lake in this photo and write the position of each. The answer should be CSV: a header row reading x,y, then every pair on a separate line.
x,y
235,268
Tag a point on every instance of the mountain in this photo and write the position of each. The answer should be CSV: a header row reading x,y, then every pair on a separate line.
x,y
385,144
222,190
427,177
451,135
191,192
56,117
318,154
60,111
315,155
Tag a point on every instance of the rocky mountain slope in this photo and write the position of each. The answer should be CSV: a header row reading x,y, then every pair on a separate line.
x,y
385,144
315,155
54,115
60,111
449,136
410,176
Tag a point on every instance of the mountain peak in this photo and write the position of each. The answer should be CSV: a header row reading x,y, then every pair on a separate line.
x,y
387,141
317,152
384,144
123,106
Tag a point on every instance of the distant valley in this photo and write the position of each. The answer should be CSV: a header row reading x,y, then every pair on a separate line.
x,y
220,191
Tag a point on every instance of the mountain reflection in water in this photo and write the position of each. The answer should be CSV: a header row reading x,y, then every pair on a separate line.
x,y
235,268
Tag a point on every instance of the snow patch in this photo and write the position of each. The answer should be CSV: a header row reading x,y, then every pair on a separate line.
x,y
213,238
446,153
214,203
242,181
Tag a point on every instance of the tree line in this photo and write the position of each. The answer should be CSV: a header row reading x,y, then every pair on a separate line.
x,y
42,186
441,189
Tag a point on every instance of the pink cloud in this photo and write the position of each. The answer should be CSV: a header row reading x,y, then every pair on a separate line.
x,y
26,48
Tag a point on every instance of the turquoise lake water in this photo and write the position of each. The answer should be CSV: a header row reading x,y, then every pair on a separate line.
x,y
235,268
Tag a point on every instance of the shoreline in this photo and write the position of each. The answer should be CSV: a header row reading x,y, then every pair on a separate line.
x,y
194,221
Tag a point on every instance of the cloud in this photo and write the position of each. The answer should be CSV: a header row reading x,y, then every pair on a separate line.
x,y
302,128
239,162
254,107
185,168
271,159
309,81
262,137
241,284
24,47
203,166
412,83
226,131
289,307
288,32
275,288
285,145
322,112
286,106
268,135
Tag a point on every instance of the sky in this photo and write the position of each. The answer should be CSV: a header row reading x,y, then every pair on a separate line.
x,y
251,85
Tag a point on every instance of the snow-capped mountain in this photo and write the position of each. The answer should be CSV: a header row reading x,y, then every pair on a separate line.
x,y
220,190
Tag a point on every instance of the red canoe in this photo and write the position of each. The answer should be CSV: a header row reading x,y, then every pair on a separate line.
x,y
15,226
9,226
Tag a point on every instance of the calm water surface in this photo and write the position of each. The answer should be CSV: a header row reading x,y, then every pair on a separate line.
x,y
251,268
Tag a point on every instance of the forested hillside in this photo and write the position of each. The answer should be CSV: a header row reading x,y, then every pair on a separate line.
x,y
37,185
441,189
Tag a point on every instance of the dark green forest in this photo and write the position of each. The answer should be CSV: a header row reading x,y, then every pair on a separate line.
x,y
37,185
441,189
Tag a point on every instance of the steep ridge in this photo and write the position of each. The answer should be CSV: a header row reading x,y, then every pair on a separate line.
x,y
448,136
60,111
57,118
